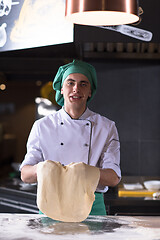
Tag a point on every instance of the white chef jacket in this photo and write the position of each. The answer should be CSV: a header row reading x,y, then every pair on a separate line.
x,y
92,139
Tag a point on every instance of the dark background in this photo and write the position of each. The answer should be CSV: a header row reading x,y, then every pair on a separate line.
x,y
129,94
128,89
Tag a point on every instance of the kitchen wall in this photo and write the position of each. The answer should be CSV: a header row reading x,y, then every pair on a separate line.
x,y
128,93
17,123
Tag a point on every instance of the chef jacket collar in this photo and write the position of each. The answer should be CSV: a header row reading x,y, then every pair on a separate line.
x,y
84,116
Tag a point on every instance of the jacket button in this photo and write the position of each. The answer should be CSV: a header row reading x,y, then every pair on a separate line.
x,y
61,123
62,143
87,124
86,145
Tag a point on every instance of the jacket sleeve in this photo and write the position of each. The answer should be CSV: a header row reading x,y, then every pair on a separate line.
x,y
110,157
34,154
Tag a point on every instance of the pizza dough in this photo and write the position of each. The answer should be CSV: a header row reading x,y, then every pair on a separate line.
x,y
66,193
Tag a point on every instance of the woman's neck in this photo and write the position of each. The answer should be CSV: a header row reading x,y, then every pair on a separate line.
x,y
74,112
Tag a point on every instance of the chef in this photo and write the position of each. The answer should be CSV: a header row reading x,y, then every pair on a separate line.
x,y
75,133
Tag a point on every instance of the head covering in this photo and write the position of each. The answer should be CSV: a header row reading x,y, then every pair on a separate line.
x,y
76,66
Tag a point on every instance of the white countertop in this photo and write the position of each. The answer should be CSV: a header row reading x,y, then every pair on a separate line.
x,y
37,227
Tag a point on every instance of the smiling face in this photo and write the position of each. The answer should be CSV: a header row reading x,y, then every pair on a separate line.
x,y
76,89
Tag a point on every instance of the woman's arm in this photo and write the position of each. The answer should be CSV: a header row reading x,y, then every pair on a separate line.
x,y
108,177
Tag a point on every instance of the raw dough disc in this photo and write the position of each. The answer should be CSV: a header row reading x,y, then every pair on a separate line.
x,y
66,193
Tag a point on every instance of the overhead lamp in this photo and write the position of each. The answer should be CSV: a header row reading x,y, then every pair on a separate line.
x,y
3,80
102,12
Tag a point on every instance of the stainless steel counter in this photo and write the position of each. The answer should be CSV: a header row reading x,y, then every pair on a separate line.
x,y
132,205
37,227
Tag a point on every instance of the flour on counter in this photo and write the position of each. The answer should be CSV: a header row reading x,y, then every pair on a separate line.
x,y
36,227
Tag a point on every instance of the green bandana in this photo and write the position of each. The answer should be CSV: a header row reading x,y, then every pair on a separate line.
x,y
74,67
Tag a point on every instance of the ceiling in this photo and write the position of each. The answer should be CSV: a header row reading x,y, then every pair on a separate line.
x,y
89,43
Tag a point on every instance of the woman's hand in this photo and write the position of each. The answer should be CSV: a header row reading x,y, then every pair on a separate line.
x,y
29,174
